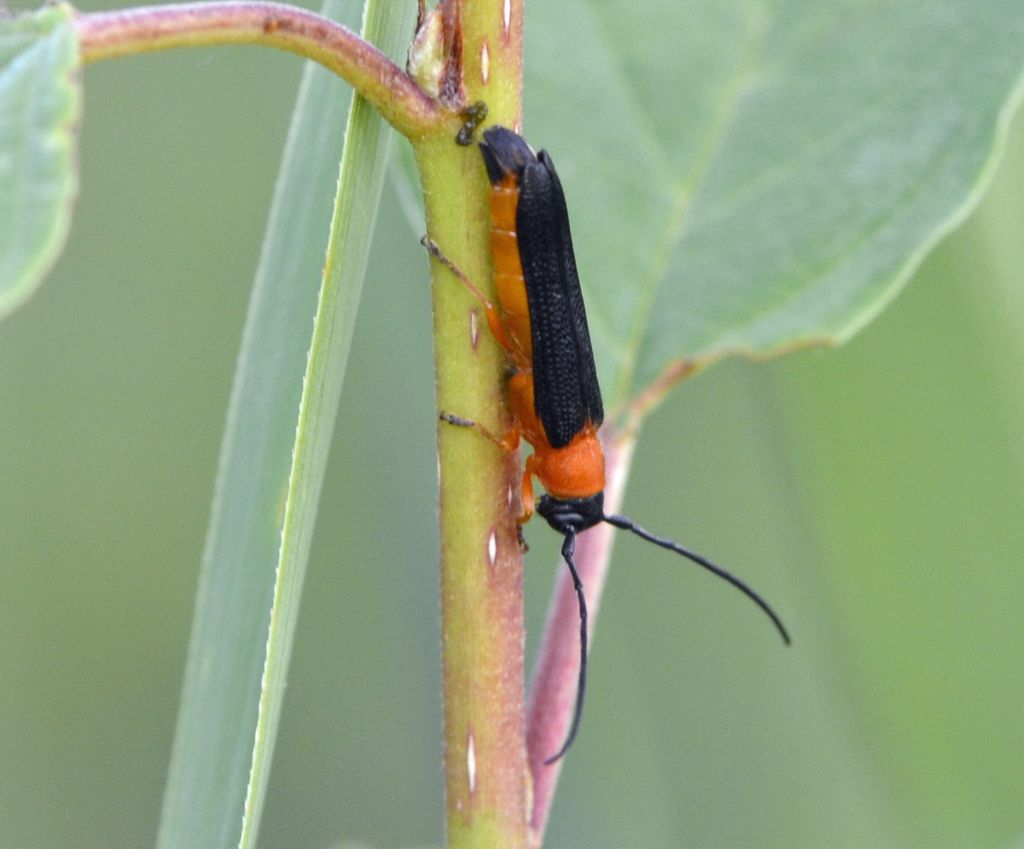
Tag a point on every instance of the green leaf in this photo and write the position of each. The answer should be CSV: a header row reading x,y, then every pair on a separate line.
x,y
752,177
39,108
263,508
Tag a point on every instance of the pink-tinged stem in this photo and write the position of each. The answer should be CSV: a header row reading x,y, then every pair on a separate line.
x,y
107,35
553,689
478,57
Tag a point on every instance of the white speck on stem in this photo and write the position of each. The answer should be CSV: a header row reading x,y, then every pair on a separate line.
x,y
492,553
474,329
485,63
471,763
506,16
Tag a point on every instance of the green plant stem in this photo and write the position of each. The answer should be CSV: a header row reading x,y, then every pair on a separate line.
x,y
108,35
481,565
479,46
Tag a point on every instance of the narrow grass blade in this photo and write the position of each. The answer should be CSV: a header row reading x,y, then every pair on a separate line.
x,y
213,751
367,142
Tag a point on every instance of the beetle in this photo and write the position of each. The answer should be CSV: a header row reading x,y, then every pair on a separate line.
x,y
553,392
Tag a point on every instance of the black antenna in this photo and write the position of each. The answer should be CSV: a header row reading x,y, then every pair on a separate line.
x,y
624,522
568,547
628,524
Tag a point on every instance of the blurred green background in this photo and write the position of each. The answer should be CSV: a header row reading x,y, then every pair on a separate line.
x,y
873,493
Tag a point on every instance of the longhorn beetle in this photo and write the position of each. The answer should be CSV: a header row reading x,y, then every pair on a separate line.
x,y
553,393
